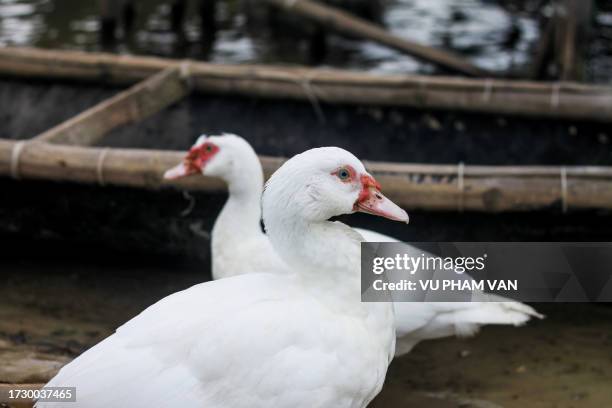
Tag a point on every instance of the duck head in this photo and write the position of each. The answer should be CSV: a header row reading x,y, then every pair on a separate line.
x,y
226,156
325,182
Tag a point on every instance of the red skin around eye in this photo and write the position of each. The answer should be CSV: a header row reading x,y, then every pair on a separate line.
x,y
199,155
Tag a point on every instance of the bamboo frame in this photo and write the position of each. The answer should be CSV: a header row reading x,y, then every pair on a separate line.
x,y
433,187
131,106
63,153
562,100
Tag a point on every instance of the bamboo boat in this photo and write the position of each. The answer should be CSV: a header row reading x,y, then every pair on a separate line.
x,y
107,126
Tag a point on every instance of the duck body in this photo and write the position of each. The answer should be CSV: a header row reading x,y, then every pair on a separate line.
x,y
282,346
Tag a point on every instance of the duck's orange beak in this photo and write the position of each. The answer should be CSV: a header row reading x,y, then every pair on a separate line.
x,y
372,201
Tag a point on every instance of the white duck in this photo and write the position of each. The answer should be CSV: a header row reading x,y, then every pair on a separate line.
x,y
236,234
260,339
232,159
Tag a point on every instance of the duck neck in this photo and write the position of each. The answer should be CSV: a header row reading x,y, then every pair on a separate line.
x,y
239,220
326,253
240,216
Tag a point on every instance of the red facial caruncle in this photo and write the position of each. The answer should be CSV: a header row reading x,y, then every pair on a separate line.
x,y
194,162
367,182
198,156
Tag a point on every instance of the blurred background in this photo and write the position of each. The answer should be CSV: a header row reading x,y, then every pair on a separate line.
x,y
79,258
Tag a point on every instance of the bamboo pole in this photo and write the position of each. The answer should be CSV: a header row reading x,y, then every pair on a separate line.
x,y
433,187
345,23
524,98
141,100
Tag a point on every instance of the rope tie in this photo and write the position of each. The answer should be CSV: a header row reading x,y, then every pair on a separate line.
x,y
15,156
305,83
185,73
185,69
564,189
191,202
488,90
555,95
100,166
461,184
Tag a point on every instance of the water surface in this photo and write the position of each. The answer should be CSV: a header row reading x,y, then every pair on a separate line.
x,y
490,35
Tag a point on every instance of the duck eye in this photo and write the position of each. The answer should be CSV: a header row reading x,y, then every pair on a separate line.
x,y
344,174
209,148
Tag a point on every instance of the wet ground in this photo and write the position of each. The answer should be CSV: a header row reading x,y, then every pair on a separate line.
x,y
498,35
52,310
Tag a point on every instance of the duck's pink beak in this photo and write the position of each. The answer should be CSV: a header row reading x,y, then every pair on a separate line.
x,y
179,171
372,201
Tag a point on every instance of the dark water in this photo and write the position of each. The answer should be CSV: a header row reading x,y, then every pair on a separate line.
x,y
493,34
496,34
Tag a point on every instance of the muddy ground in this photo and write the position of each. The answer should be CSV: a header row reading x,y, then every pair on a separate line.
x,y
51,310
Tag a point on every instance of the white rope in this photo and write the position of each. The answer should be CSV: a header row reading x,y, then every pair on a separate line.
x,y
488,90
312,97
15,155
191,202
100,166
185,69
564,189
461,184
185,73
555,95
